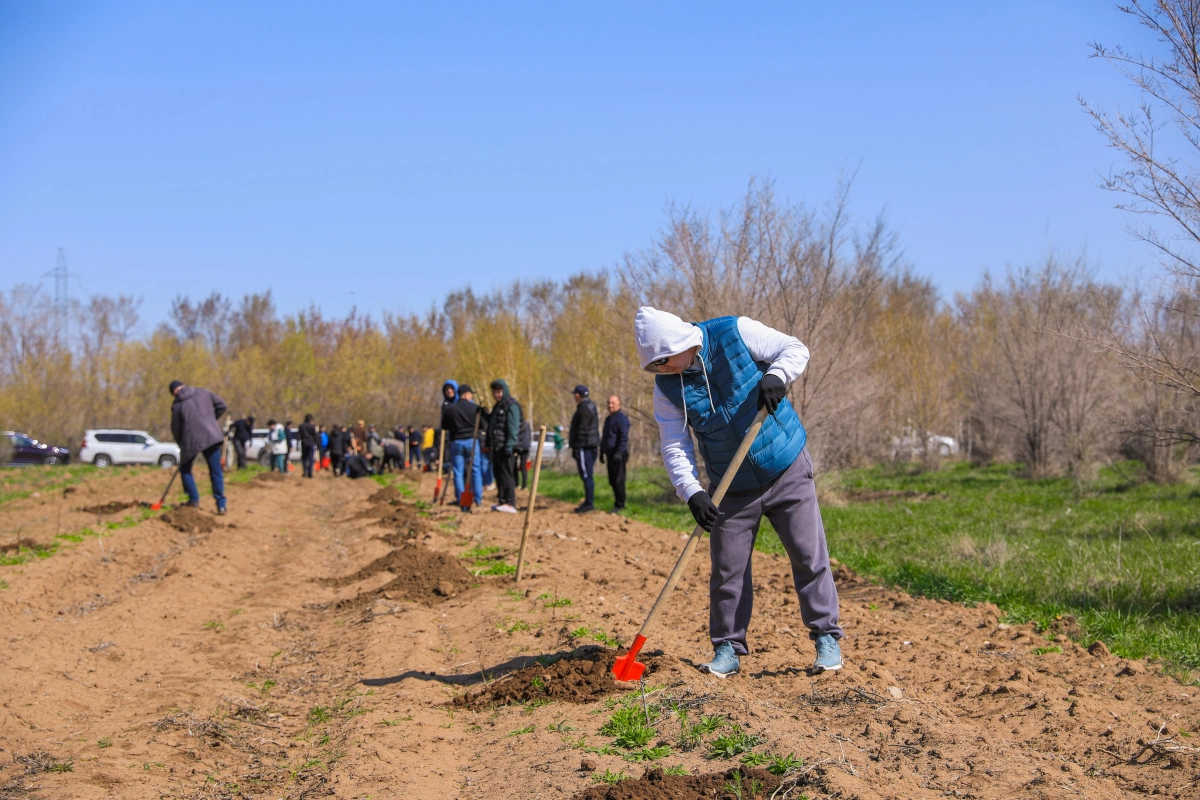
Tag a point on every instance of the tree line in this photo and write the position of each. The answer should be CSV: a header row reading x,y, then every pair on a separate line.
x,y
1017,369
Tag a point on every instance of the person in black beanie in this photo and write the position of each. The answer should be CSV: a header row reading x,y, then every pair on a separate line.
x,y
584,441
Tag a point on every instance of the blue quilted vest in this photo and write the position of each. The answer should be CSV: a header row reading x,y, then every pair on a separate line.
x,y
734,376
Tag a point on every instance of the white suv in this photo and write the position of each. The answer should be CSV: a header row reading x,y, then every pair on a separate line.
x,y
106,446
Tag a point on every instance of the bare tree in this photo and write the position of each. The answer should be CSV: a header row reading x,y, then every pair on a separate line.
x,y
1160,142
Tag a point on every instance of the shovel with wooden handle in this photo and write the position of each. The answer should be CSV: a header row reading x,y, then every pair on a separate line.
x,y
466,500
537,471
163,499
626,668
437,490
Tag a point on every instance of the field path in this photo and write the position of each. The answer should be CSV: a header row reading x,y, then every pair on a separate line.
x,y
267,658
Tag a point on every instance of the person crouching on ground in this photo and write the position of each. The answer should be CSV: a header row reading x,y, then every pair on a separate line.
x,y
194,415
714,376
504,427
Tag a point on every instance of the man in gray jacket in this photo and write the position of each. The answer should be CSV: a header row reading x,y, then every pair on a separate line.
x,y
194,424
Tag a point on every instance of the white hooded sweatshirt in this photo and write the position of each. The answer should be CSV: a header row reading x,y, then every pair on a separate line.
x,y
660,334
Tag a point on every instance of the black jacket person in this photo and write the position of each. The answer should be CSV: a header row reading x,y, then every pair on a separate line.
x,y
503,435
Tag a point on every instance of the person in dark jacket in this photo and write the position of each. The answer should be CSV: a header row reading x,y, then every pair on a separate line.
x,y
243,432
458,422
503,433
310,441
337,448
194,425
288,431
584,441
614,447
524,447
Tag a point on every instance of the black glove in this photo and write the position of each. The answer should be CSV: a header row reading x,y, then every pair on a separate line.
x,y
703,510
770,392
601,456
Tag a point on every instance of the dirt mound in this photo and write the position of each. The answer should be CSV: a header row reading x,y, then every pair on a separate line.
x,y
270,477
581,676
738,782
24,544
421,575
189,520
388,494
113,507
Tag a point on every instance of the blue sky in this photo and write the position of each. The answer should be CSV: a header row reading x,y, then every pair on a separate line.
x,y
380,154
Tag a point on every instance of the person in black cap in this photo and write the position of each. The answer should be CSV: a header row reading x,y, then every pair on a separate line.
x,y
584,441
458,422
194,424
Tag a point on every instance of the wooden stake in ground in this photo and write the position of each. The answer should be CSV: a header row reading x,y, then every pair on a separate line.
x,y
537,471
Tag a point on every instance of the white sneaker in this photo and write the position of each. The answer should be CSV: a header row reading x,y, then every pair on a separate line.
x,y
506,508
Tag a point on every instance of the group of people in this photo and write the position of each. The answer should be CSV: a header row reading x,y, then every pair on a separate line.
x,y
346,450
713,380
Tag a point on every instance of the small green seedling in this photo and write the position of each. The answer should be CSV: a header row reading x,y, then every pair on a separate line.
x,y
648,753
213,625
318,715
755,759
610,777
676,769
522,731
1041,651
732,743
105,742
782,765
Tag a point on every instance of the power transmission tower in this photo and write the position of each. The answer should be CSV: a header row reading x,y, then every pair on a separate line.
x,y
62,300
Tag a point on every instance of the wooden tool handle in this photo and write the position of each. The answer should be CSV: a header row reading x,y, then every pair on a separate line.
x,y
537,471
690,546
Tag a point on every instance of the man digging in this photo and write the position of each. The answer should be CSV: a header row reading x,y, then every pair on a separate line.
x,y
714,376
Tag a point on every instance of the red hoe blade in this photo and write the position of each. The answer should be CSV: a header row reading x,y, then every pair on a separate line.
x,y
158,506
627,668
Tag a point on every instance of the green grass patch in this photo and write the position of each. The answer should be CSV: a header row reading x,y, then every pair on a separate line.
x,y
488,561
245,475
1122,557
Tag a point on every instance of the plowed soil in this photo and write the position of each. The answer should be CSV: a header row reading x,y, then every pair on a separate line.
x,y
654,785
292,651
582,676
188,519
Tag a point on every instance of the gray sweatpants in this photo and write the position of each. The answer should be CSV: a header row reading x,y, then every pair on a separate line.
x,y
790,503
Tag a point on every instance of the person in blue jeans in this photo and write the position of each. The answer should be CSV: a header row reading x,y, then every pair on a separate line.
x,y
194,424
458,423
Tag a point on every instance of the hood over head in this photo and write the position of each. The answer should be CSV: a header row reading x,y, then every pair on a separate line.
x,y
660,334
185,391
500,383
452,384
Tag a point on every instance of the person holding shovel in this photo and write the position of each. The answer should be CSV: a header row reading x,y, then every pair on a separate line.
x,y
458,421
715,376
194,415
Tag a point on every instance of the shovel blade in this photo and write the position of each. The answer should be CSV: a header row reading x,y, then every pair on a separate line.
x,y
437,490
627,668
155,506
466,499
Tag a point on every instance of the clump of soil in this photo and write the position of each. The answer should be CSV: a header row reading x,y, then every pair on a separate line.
x,y
189,519
420,574
270,477
113,507
732,784
388,494
582,676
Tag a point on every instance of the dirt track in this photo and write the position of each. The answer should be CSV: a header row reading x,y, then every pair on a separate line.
x,y
266,657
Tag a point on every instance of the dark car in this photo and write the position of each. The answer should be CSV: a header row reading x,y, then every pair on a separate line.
x,y
26,450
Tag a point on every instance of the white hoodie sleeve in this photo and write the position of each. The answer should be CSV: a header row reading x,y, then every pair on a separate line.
x,y
788,358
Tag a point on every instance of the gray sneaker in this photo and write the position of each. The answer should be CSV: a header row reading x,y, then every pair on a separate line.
x,y
724,663
829,654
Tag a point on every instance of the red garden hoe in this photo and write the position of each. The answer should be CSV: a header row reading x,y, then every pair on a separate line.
x,y
626,668
163,499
